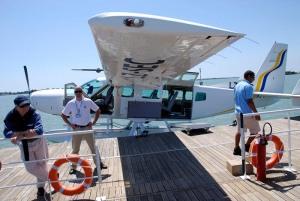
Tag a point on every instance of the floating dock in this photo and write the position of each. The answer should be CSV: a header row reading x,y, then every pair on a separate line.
x,y
167,166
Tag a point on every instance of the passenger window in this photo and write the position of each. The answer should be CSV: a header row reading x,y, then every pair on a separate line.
x,y
127,92
180,95
200,96
188,95
146,93
150,93
165,94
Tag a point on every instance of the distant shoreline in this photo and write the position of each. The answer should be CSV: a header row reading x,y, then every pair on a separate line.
x,y
11,93
216,78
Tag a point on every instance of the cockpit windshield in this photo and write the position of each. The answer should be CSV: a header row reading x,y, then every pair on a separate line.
x,y
93,86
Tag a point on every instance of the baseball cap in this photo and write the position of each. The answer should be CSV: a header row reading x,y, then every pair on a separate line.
x,y
22,101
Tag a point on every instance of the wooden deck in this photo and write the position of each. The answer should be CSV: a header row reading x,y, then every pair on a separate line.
x,y
169,166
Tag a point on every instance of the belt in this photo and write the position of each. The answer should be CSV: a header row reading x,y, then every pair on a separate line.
x,y
31,140
81,126
25,147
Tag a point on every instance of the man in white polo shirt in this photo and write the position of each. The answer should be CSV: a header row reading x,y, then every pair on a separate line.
x,y
78,110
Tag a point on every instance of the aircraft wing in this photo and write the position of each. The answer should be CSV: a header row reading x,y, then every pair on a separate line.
x,y
144,49
277,95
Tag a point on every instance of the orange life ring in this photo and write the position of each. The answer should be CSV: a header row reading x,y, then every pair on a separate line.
x,y
276,156
57,185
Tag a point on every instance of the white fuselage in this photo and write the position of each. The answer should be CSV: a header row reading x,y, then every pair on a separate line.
x,y
207,101
217,100
49,101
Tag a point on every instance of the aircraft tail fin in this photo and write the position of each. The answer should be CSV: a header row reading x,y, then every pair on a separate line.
x,y
271,75
296,91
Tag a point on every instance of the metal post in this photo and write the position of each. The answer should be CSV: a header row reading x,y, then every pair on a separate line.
x,y
168,126
49,182
107,125
129,124
289,168
111,123
242,137
97,159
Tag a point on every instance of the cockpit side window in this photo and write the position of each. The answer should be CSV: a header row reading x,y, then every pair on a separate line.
x,y
92,87
104,92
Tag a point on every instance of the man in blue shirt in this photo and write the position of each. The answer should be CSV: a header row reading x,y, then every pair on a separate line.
x,y
243,98
21,124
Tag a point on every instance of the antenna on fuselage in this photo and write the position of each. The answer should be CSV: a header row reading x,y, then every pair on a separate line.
x,y
200,82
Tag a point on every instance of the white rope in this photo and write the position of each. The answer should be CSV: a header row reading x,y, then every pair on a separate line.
x,y
54,167
60,180
47,159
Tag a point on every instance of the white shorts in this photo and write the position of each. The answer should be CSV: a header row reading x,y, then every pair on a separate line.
x,y
249,123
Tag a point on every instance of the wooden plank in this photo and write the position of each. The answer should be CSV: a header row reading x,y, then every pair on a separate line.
x,y
167,167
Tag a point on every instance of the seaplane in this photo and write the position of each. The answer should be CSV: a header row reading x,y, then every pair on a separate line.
x,y
146,58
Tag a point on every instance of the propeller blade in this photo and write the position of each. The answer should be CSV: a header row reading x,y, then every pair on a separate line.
x,y
98,70
27,79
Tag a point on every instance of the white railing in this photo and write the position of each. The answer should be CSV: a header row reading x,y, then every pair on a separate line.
x,y
59,134
289,131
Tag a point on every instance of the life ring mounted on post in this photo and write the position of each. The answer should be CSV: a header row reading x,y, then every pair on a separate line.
x,y
276,156
77,189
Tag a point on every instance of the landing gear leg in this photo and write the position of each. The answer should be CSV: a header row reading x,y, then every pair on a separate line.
x,y
138,129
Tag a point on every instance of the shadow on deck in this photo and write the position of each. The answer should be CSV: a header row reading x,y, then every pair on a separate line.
x,y
161,167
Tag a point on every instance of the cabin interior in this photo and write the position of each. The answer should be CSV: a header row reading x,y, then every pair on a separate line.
x,y
173,101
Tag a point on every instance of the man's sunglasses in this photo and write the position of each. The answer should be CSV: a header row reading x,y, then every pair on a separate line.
x,y
26,105
76,92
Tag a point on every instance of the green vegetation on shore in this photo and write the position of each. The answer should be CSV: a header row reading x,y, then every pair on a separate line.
x,y
15,93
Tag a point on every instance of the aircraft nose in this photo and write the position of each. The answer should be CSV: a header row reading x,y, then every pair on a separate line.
x,y
49,101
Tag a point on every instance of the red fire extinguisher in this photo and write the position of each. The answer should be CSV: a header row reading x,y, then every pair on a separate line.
x,y
261,154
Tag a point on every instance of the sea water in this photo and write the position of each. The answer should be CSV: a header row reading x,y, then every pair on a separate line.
x,y
54,122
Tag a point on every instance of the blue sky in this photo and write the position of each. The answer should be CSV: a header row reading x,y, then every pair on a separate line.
x,y
51,37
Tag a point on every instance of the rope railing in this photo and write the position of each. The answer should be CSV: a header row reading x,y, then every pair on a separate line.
x,y
71,133
58,134
34,183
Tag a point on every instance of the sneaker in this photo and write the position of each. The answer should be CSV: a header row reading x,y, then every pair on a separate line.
x,y
72,171
40,192
247,147
237,151
103,166
145,133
